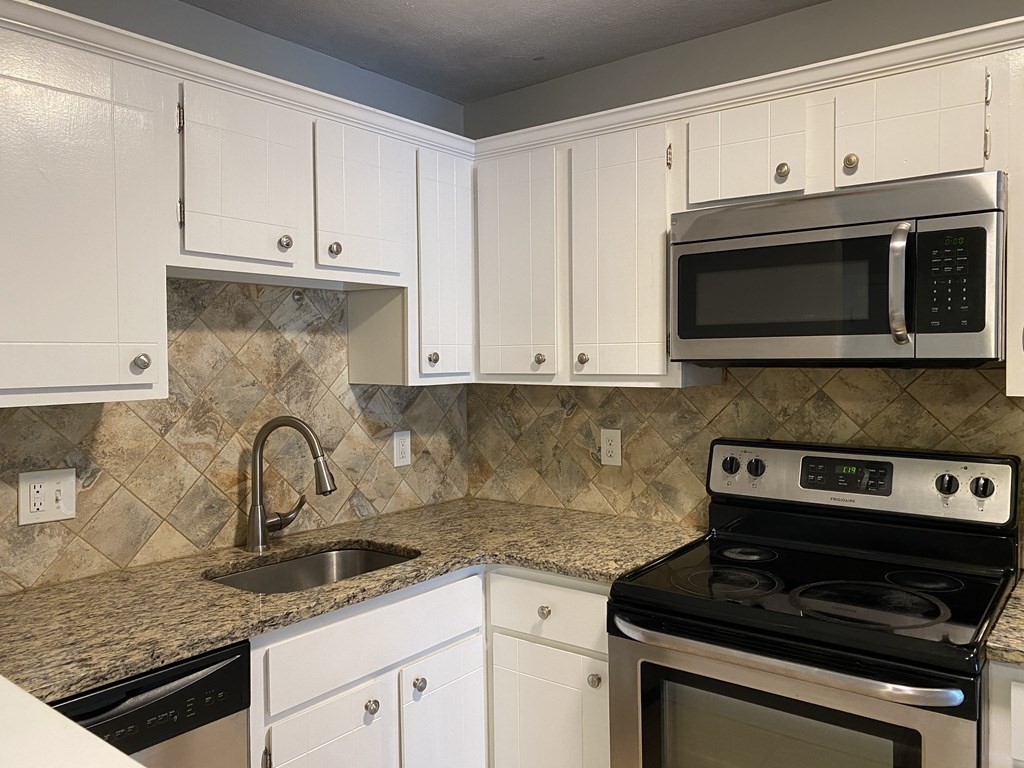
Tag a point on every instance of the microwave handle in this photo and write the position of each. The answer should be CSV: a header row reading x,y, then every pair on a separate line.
x,y
898,282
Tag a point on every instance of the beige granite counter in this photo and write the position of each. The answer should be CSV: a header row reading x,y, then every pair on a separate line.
x,y
1006,643
68,638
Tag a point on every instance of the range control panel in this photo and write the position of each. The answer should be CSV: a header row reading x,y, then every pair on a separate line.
x,y
951,281
965,487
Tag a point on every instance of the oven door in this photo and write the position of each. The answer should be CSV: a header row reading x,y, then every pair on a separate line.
x,y
825,294
697,705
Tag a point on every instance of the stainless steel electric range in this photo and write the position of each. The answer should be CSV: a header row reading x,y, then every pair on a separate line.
x,y
835,615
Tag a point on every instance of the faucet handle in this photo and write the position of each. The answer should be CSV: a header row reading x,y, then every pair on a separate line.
x,y
279,521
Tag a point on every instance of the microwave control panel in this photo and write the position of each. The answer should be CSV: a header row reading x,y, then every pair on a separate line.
x,y
951,281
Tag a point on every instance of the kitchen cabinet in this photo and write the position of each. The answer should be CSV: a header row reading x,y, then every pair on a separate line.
x,y
516,254
619,230
918,123
758,149
82,302
445,198
247,180
365,200
1003,716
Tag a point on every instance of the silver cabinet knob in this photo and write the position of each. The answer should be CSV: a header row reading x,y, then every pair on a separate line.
x,y
285,241
782,170
582,358
540,359
143,361
544,611
594,681
334,248
851,160
433,357
420,684
372,707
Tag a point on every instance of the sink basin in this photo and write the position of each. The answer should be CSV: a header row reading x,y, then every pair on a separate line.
x,y
310,570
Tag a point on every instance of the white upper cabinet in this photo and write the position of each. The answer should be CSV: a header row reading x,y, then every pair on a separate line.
x,y
759,149
445,196
619,247
82,300
365,200
517,278
915,124
248,179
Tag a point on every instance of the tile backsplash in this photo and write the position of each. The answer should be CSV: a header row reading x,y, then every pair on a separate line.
x,y
163,478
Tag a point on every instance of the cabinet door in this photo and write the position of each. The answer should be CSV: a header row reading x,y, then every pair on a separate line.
x,y
915,124
443,705
248,179
365,200
517,281
82,298
619,247
550,707
444,186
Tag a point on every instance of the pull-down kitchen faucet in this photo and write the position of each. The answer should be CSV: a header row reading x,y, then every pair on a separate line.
x,y
260,524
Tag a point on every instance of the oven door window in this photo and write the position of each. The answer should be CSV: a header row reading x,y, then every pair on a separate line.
x,y
828,287
694,722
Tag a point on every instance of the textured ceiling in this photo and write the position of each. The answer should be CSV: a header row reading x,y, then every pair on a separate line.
x,y
467,50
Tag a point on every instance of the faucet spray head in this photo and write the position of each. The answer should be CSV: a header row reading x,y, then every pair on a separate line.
x,y
325,485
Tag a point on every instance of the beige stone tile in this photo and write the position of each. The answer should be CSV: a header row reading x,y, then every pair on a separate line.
x,y
678,488
477,413
820,376
77,561
330,506
479,471
589,499
404,498
491,394
862,393
862,439
904,377
695,453
710,400
619,485
94,487
678,420
400,397
646,399
331,303
649,506
952,443
446,442
353,397
162,415
162,479
380,482
121,527
538,445
232,317
782,391
267,298
198,355
234,532
355,454
230,471
820,420
563,416
782,435
200,434
165,544
28,444
591,398
235,393
646,452
327,352
278,496
26,551
268,355
458,472
270,407
493,443
448,397
585,449
8,586
951,396
423,415
997,427
307,520
186,301
565,479
300,390
297,321
8,500
379,418
745,375
495,491
906,424
72,421
425,477
538,395
539,495
617,412
513,413
330,421
357,507
516,473
745,417
202,512
996,377
119,441
294,460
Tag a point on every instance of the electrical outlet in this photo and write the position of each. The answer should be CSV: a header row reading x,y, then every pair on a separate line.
x,y
611,447
403,449
46,496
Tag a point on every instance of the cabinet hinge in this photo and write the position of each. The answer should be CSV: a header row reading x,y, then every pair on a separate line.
x,y
181,213
668,157
268,759
988,87
988,143
181,117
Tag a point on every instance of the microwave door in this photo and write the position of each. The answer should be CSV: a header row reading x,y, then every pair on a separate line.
x,y
821,295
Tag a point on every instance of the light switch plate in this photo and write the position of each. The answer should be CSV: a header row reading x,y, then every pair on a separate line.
x,y
46,496
611,447
403,449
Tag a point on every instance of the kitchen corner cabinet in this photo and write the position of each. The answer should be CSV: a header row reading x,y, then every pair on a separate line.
x,y
82,302
619,230
516,258
918,123
1003,716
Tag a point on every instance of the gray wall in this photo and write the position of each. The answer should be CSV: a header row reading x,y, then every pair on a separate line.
x,y
197,30
821,32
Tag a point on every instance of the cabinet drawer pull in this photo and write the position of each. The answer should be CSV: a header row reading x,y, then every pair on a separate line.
x,y
372,707
540,359
594,681
544,612
334,248
782,170
420,684
285,241
142,362
433,358
851,161
582,358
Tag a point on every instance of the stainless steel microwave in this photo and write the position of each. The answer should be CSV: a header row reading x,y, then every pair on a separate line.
x,y
908,273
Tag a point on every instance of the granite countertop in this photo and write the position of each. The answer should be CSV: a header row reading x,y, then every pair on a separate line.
x,y
69,638
1006,643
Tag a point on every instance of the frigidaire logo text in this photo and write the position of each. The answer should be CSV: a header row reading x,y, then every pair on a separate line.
x,y
842,500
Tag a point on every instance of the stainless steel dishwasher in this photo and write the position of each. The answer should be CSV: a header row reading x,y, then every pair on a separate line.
x,y
191,714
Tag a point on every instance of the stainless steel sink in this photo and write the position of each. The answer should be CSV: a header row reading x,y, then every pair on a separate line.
x,y
310,570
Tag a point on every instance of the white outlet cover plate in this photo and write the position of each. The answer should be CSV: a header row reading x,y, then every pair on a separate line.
x,y
403,449
611,447
52,480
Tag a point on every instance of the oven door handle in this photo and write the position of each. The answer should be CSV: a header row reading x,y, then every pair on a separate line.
x,y
898,282
897,694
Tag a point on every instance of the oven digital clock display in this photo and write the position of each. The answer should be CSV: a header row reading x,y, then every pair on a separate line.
x,y
823,473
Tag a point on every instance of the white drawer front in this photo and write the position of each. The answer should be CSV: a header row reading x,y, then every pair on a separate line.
x,y
573,616
441,668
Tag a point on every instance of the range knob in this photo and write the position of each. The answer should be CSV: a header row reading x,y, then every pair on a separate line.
x,y
731,465
982,487
947,484
755,467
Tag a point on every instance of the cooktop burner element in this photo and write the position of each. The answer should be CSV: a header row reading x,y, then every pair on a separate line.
x,y
869,604
748,554
726,583
926,581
